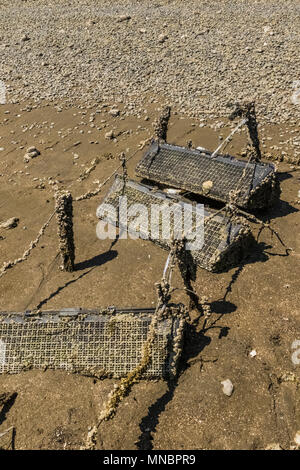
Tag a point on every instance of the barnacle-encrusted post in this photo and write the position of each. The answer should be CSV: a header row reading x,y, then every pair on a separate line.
x,y
187,268
161,125
64,215
122,158
247,110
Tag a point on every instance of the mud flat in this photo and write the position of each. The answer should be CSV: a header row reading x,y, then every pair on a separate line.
x,y
85,84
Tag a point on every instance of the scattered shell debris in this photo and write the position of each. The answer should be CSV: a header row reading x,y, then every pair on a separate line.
x,y
277,99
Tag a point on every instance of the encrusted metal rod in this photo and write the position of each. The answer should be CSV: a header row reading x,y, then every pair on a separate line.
x,y
122,158
64,215
228,138
264,225
187,268
247,110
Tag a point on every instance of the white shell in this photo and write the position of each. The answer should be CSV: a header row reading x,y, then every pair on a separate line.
x,y
172,191
227,387
297,438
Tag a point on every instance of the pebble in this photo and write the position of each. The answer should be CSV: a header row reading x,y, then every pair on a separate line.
x,y
162,38
25,38
10,223
123,18
273,446
297,438
31,152
109,135
114,112
132,65
227,387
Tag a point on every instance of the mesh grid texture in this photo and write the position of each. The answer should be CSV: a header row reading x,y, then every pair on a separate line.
x,y
189,169
219,234
105,345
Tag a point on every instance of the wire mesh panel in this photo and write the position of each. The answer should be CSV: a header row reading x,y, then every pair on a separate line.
x,y
224,243
198,172
103,343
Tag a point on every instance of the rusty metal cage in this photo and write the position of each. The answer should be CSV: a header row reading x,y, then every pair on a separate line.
x,y
102,343
214,177
224,242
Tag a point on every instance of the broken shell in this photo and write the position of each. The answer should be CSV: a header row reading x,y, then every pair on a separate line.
x,y
207,186
10,223
273,446
297,438
227,387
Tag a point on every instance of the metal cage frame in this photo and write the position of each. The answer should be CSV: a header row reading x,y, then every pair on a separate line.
x,y
225,242
100,342
190,169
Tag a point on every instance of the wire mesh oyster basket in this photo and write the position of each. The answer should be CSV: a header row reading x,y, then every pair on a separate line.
x,y
214,177
224,242
102,343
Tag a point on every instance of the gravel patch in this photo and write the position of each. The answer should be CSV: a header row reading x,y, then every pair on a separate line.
x,y
199,57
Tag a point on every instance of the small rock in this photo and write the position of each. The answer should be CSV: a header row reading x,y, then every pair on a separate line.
x,y
207,186
252,353
273,446
10,223
31,149
162,38
31,152
297,438
123,18
202,32
227,387
296,97
25,38
109,135
89,23
114,112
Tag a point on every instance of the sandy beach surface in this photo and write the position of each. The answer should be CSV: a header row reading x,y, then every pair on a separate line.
x,y
83,82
